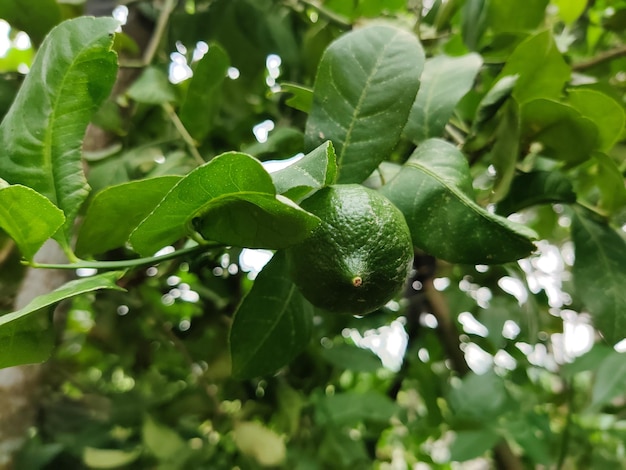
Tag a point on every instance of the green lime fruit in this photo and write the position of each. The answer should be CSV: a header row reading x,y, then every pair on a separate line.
x,y
359,257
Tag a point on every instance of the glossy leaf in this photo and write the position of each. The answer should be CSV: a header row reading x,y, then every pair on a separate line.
x,y
198,109
272,325
564,132
231,178
434,192
473,22
28,218
537,187
41,135
25,336
600,274
570,10
610,380
254,220
117,210
604,111
540,66
34,17
310,173
152,87
366,83
444,82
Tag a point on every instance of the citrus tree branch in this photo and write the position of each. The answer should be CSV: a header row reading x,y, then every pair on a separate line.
x,y
604,57
504,457
182,130
124,264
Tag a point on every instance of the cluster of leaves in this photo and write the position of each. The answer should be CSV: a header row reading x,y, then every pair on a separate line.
x,y
518,109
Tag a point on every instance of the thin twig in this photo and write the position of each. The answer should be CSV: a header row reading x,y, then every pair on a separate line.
x,y
180,127
604,57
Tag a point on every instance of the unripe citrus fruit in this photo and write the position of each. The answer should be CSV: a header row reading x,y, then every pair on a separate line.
x,y
358,258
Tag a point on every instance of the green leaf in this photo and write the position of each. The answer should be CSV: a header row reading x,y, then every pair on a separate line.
x,y
152,87
41,135
254,220
200,104
507,16
444,82
350,408
115,211
366,83
24,334
434,192
600,274
28,218
260,443
312,172
256,216
34,17
469,445
570,10
479,398
610,380
537,187
541,68
161,441
564,132
473,22
493,101
272,325
301,97
604,111
109,458
610,182
349,357
506,149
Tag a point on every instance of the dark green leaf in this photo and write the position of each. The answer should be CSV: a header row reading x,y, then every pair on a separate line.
x,y
350,408
365,85
540,66
34,17
588,361
272,325
479,398
493,100
537,187
280,142
254,220
603,110
434,192
152,87
610,181
469,445
301,97
28,218
444,82
310,173
600,274
610,380
349,357
531,431
199,106
25,336
473,22
564,132
506,149
231,178
41,135
117,210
